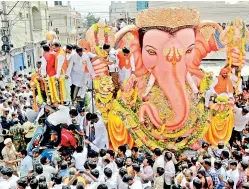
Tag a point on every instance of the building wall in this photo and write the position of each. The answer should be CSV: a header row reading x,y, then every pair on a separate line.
x,y
25,52
66,20
19,18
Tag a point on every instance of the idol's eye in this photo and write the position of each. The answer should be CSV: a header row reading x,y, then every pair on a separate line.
x,y
189,50
151,52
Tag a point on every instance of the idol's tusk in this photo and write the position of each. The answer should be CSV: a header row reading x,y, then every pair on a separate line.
x,y
150,84
191,83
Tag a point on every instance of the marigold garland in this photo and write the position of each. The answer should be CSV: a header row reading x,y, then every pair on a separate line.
x,y
62,89
242,50
230,44
38,87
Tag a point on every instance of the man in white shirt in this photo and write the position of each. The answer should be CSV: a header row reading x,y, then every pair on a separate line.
x,y
133,184
69,56
233,173
187,181
76,70
158,160
48,170
101,135
80,157
110,179
7,174
26,164
62,116
170,172
241,118
112,64
27,93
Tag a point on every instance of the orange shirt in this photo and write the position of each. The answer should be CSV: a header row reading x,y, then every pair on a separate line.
x,y
124,61
224,85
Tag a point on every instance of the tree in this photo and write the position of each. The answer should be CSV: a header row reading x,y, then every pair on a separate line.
x,y
91,19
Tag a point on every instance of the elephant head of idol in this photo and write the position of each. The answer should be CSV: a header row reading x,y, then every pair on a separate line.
x,y
168,45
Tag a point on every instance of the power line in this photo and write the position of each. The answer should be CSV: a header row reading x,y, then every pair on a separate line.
x,y
12,8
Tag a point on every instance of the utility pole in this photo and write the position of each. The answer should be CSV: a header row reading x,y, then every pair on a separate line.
x,y
5,22
30,23
5,38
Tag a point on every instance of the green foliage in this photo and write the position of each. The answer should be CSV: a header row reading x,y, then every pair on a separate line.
x,y
91,19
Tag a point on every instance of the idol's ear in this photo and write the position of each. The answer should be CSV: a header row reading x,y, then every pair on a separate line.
x,y
129,37
207,40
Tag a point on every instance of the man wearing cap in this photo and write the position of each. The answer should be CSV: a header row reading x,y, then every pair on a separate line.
x,y
241,118
77,71
221,86
9,154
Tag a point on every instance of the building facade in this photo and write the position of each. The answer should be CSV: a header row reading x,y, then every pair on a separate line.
x,y
25,23
65,21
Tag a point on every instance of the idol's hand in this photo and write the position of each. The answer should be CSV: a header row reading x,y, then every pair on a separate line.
x,y
235,55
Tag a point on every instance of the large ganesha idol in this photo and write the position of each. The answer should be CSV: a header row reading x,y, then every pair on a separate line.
x,y
160,104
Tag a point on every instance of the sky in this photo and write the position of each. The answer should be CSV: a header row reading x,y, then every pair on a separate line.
x,y
97,7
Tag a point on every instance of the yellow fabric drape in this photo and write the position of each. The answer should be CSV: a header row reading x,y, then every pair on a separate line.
x,y
220,129
118,134
203,84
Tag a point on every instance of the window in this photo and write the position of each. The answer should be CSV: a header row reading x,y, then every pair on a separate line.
x,y
141,5
58,3
27,15
51,23
20,15
36,15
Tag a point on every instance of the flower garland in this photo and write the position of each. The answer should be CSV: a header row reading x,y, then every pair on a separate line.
x,y
241,56
35,106
96,37
200,129
38,87
62,89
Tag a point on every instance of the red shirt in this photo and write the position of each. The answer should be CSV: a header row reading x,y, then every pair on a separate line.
x,y
67,138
